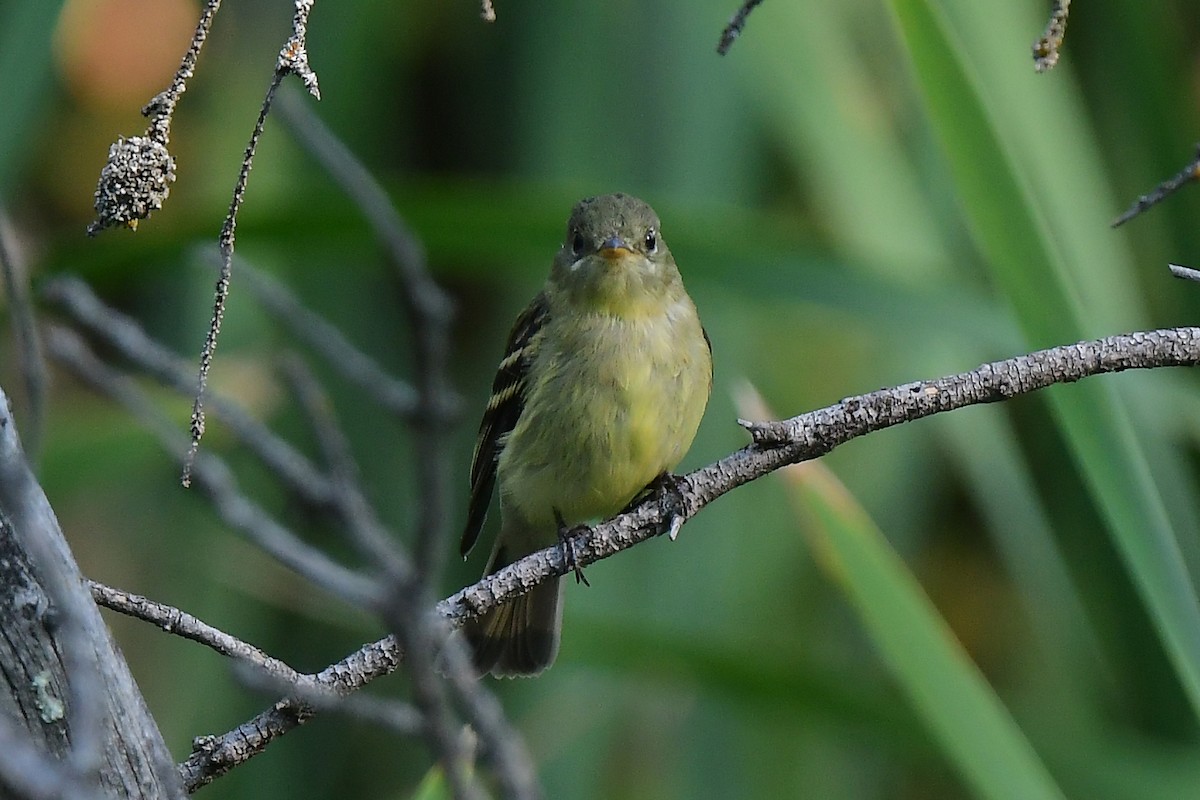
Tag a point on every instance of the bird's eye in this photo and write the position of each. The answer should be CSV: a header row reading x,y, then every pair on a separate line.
x,y
577,243
651,240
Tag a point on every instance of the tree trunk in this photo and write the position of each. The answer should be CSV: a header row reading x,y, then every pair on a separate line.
x,y
65,682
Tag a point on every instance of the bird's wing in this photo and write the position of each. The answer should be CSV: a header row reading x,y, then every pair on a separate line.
x,y
503,409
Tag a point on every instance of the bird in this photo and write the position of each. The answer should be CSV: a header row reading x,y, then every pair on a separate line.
x,y
604,380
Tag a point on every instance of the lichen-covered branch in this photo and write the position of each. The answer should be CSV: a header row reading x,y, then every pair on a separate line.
x,y
293,58
1046,49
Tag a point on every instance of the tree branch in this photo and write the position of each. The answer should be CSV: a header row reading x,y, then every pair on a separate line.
x,y
736,24
808,436
1046,49
180,623
776,445
293,59
1170,186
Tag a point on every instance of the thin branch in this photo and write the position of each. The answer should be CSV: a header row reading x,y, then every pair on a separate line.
x,y
255,667
503,746
400,610
213,756
162,107
132,343
416,630
402,246
293,58
429,311
123,335
1184,273
180,623
397,716
29,344
1164,190
1046,49
214,478
736,24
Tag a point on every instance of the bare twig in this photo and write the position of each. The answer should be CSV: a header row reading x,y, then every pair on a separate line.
x,y
124,336
503,746
29,344
402,610
394,715
402,246
1185,273
213,756
180,623
1164,190
736,24
1046,49
293,58
255,667
816,433
214,478
132,343
162,108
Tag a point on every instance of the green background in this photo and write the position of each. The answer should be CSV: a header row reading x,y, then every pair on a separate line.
x,y
860,194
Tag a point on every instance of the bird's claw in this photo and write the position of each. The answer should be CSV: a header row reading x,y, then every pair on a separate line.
x,y
566,545
671,502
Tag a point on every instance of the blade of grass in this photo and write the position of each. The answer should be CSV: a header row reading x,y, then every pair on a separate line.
x,y
1048,296
963,713
25,32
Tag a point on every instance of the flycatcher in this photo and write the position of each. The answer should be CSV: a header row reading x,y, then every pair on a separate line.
x,y
600,392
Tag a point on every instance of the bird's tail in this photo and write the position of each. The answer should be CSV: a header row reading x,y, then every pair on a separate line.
x,y
520,637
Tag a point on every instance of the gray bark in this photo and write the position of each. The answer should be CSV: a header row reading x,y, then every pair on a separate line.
x,y
70,712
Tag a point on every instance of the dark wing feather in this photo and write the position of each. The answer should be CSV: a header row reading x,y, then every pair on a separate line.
x,y
503,409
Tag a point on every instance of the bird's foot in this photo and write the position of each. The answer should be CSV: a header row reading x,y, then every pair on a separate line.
x,y
671,502
567,545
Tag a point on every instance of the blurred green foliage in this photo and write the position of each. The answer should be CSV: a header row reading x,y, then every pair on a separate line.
x,y
860,194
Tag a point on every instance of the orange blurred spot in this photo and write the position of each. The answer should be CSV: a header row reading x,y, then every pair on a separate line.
x,y
120,53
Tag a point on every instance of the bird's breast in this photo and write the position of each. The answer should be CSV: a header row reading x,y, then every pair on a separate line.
x,y
616,402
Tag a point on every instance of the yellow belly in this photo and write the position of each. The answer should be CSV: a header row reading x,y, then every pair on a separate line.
x,y
623,406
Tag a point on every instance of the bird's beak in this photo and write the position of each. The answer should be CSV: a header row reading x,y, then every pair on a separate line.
x,y
614,247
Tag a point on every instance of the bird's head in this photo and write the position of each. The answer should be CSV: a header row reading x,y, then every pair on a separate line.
x,y
614,258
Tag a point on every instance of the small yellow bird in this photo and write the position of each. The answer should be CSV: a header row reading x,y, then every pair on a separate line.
x,y
600,392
